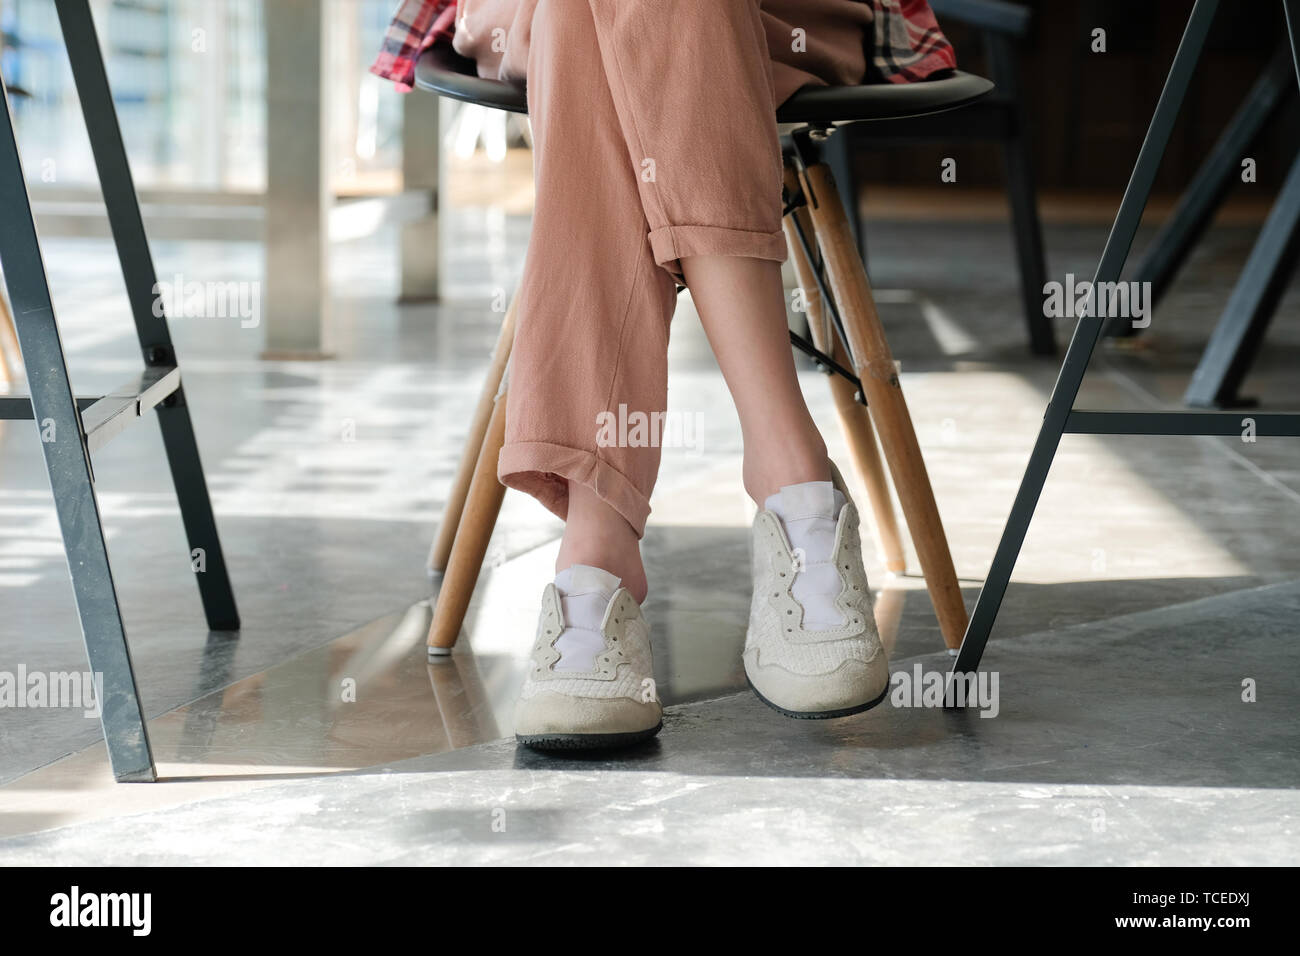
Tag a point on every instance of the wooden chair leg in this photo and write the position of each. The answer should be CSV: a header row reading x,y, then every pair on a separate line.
x,y
442,543
853,415
874,364
482,505
10,353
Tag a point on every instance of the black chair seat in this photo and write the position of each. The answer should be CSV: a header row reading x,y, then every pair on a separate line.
x,y
441,70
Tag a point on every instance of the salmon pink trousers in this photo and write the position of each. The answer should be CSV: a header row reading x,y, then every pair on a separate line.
x,y
654,139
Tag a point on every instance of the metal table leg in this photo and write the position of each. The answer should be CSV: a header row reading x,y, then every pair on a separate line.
x,y
1086,333
68,464
155,339
1169,249
1022,194
71,427
1240,330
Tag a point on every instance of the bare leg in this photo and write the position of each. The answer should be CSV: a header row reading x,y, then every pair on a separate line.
x,y
626,192
741,302
597,535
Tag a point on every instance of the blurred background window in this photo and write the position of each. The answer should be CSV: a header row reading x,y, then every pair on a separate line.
x,y
189,80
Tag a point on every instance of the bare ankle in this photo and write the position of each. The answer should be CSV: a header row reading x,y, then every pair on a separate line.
x,y
770,467
598,536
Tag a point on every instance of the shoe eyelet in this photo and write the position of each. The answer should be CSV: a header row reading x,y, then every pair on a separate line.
x,y
789,612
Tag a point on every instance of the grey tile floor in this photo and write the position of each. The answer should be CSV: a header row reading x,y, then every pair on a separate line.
x,y
1158,576
1103,753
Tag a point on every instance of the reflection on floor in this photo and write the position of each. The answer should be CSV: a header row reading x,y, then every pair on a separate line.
x,y
1158,578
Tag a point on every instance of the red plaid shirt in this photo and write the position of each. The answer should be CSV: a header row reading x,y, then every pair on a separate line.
x,y
909,44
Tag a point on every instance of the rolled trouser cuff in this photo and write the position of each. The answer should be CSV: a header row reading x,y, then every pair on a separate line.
x,y
544,469
673,243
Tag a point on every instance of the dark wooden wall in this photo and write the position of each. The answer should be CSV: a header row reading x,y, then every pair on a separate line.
x,y
1088,111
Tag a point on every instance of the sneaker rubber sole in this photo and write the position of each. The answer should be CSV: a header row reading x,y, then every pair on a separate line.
x,y
586,741
820,714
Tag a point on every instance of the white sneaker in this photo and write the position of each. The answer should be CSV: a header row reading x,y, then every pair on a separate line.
x,y
609,702
829,672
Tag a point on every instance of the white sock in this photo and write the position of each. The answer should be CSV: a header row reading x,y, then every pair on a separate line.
x,y
585,593
809,512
